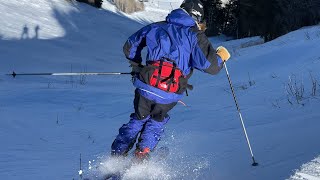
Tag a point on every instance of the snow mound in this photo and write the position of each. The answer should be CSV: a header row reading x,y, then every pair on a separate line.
x,y
308,171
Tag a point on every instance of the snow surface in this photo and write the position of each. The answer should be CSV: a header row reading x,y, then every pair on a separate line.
x,y
155,10
47,122
310,171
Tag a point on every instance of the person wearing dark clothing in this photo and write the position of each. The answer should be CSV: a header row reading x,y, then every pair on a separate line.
x,y
175,47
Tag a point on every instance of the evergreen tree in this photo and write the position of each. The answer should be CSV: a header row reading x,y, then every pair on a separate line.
x,y
269,19
213,16
230,21
253,17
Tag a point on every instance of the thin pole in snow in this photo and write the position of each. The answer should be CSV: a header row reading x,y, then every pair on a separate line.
x,y
254,163
80,171
14,74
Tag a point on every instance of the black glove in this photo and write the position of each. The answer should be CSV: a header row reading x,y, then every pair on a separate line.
x,y
136,68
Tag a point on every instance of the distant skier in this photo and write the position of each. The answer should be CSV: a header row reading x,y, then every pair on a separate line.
x,y
25,32
175,47
36,30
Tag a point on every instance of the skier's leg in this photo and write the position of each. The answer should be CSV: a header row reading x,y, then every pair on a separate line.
x,y
128,132
151,134
127,136
154,128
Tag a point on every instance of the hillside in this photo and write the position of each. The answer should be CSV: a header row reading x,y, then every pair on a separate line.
x,y
47,122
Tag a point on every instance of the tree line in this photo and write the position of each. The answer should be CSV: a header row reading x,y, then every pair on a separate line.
x,y
267,18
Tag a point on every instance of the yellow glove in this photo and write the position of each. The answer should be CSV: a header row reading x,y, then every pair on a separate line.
x,y
223,53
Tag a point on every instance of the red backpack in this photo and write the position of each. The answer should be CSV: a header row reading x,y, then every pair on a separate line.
x,y
166,76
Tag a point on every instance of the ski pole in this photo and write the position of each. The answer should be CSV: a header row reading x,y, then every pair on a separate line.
x,y
254,163
14,74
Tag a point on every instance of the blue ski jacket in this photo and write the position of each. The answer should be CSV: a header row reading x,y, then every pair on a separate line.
x,y
178,39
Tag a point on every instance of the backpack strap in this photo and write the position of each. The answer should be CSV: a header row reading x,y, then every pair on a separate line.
x,y
159,73
171,77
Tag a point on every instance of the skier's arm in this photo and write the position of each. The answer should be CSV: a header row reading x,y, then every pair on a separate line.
x,y
204,57
134,45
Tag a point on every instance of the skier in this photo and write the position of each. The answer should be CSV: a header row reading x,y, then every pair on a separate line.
x,y
175,47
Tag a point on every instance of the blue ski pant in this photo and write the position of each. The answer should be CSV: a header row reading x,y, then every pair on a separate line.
x,y
147,122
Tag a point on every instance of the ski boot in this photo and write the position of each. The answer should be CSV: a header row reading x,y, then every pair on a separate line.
x,y
142,155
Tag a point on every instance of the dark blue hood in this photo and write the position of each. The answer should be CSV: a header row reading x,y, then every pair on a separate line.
x,y
181,17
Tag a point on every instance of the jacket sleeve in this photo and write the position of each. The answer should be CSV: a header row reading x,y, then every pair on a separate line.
x,y
134,45
204,57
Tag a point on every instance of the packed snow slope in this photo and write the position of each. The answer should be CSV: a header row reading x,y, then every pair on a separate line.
x,y
47,122
155,10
